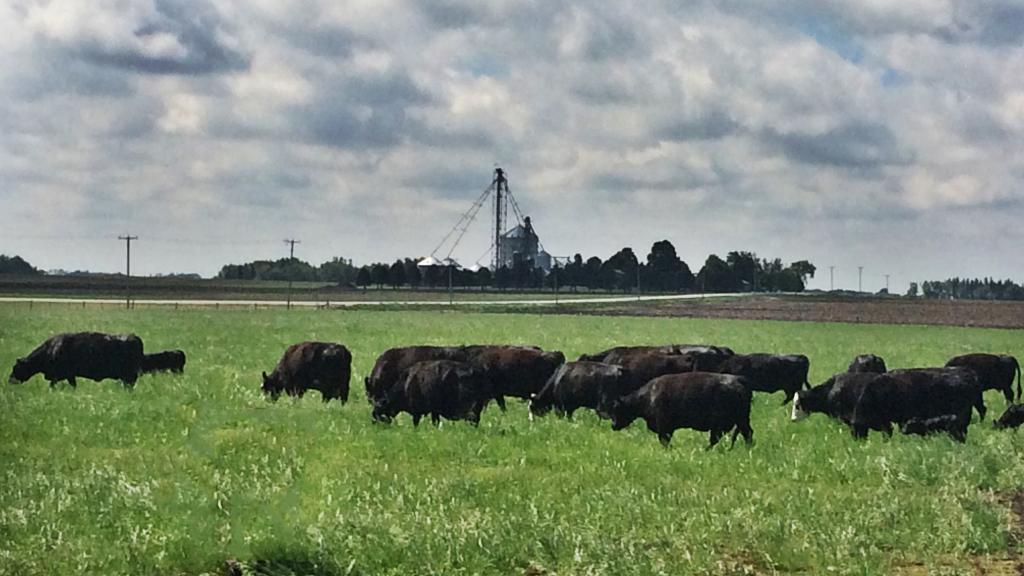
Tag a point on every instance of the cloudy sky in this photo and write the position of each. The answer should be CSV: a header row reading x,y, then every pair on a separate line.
x,y
882,133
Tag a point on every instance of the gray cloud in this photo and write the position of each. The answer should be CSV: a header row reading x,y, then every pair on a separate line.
x,y
719,125
847,146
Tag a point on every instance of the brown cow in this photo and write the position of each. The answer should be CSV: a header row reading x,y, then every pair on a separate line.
x,y
322,366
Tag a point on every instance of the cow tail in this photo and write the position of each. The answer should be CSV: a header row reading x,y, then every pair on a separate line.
x,y
1017,365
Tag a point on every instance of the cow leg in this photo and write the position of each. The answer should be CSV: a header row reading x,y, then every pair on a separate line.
x,y
859,431
435,418
748,433
568,413
887,430
789,396
665,438
1008,394
416,419
53,383
715,436
500,401
72,381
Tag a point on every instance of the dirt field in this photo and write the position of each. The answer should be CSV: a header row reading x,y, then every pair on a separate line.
x,y
987,314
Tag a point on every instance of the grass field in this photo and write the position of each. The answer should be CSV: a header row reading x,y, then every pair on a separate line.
x,y
187,471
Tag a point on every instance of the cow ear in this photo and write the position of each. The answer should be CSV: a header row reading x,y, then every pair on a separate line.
x,y
265,377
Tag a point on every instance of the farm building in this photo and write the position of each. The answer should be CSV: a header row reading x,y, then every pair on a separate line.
x,y
522,243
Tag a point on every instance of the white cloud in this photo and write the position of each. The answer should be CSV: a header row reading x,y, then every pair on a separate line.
x,y
367,127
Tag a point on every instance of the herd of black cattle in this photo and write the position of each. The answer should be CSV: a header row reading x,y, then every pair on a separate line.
x,y
701,387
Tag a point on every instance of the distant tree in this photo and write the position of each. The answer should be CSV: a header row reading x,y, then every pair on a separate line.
x,y
396,274
379,274
364,278
573,273
592,273
503,278
16,265
717,276
619,270
746,269
804,269
912,291
484,277
413,277
664,270
337,270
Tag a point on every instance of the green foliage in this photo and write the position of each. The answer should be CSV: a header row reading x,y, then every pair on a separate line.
x,y
16,265
188,471
336,270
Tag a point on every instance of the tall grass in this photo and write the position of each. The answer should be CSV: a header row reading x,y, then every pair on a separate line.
x,y
187,471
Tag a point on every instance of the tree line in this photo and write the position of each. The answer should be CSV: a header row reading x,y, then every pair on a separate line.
x,y
661,271
970,289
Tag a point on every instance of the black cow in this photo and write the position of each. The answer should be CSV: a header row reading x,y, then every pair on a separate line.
x,y
867,363
440,388
769,372
90,355
706,356
947,423
994,372
616,354
322,366
168,360
1012,418
391,366
645,367
517,371
937,387
869,401
716,403
577,385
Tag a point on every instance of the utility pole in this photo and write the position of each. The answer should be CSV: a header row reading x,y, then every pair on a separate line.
x,y
831,278
291,242
638,280
860,275
886,283
127,268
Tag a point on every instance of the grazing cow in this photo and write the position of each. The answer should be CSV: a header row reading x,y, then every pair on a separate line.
x,y
943,386
518,371
867,363
391,366
575,385
994,372
769,372
867,401
1012,418
643,368
322,366
947,423
440,388
90,355
616,354
168,360
716,403
706,357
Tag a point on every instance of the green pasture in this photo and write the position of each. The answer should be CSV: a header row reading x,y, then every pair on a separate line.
x,y
185,472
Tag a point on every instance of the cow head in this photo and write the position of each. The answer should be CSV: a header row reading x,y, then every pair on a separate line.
x,y
814,400
538,407
798,412
272,385
622,415
20,372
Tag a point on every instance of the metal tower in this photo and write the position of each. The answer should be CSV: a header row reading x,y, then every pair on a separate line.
x,y
500,185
